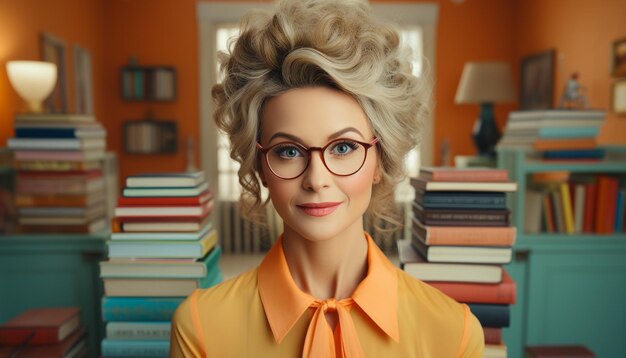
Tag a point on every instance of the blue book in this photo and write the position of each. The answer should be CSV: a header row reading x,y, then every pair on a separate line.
x,y
619,211
568,132
461,200
574,154
135,348
491,315
139,308
46,132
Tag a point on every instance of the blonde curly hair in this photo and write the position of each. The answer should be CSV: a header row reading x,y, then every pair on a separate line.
x,y
338,44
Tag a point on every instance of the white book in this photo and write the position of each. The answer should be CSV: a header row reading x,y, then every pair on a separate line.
x,y
413,264
55,143
145,331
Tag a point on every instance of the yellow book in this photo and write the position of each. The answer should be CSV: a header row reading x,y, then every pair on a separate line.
x,y
568,213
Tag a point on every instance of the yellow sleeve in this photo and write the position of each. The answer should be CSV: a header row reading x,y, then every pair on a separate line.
x,y
185,336
473,342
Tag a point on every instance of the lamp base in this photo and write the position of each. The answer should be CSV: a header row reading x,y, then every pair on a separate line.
x,y
485,133
35,106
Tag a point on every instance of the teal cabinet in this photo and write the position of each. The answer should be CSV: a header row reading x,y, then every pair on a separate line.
x,y
53,270
571,289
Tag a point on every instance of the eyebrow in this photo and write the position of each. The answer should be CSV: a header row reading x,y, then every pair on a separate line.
x,y
330,137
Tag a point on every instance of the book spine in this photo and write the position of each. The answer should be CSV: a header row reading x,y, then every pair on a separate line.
x,y
470,236
590,207
470,176
502,293
45,133
135,348
19,336
492,335
139,309
138,330
619,211
601,201
491,315
548,213
567,208
579,207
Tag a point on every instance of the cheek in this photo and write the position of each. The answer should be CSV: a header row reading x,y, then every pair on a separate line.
x,y
359,185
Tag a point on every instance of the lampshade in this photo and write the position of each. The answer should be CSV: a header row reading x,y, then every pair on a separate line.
x,y
485,82
33,81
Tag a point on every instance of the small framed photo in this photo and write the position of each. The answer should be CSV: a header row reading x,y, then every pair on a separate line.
x,y
53,50
619,58
619,96
537,81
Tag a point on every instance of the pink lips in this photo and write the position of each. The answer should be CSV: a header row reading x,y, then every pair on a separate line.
x,y
319,209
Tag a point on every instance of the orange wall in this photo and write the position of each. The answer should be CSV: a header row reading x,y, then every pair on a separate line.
x,y
156,33
21,21
582,32
165,33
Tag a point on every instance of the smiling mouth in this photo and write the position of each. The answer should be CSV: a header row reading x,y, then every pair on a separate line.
x,y
318,209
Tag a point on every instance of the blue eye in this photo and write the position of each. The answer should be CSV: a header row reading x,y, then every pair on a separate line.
x,y
344,147
287,151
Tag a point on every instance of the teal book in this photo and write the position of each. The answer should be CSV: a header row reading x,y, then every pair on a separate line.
x,y
112,348
569,132
619,211
141,309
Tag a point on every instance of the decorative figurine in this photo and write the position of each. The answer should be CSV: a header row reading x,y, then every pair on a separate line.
x,y
573,97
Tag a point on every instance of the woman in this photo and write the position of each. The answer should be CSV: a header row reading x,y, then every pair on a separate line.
x,y
321,108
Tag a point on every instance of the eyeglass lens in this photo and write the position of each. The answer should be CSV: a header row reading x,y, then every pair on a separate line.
x,y
342,157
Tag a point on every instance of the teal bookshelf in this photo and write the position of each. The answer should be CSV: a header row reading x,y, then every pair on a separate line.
x,y
570,288
54,270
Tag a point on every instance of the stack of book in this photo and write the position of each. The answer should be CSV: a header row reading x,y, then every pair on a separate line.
x,y
557,134
562,202
44,332
163,246
60,187
461,237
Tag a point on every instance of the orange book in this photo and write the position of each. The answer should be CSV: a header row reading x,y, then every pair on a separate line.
x,y
39,200
470,292
550,177
464,235
493,335
565,144
45,325
451,174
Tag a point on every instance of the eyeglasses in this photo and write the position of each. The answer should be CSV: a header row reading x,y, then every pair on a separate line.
x,y
342,157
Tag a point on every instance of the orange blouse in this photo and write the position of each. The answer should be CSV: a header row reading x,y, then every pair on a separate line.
x,y
263,313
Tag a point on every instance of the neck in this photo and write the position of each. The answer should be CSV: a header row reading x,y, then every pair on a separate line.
x,y
330,268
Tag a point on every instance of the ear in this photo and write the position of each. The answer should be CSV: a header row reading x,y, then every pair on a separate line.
x,y
377,174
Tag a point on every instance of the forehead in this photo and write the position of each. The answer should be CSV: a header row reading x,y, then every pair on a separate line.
x,y
313,115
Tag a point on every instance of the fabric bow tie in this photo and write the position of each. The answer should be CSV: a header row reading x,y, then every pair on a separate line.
x,y
320,342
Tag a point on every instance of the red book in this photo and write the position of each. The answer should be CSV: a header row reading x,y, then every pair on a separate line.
x,y
493,335
464,235
197,211
46,325
450,174
590,207
600,205
73,346
470,292
611,206
165,201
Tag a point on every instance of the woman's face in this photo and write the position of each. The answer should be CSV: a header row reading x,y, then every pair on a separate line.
x,y
318,205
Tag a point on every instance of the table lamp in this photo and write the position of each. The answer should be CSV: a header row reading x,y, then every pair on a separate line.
x,y
485,83
33,81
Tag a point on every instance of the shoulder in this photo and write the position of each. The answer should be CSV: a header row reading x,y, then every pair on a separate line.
x,y
211,314
420,304
220,298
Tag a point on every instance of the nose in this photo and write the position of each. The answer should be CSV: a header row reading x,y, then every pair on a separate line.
x,y
316,177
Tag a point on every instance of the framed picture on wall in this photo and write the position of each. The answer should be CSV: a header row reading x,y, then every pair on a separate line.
x,y
619,96
53,50
83,87
619,58
537,81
